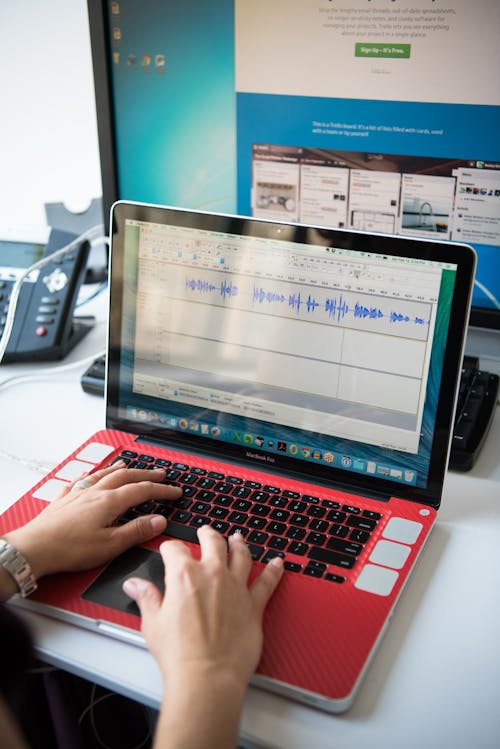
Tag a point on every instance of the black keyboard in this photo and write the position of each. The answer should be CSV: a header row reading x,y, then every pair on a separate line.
x,y
477,398
92,380
316,537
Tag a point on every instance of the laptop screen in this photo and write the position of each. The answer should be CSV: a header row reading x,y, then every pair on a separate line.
x,y
314,346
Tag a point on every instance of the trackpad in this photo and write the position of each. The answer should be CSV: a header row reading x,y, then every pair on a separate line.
x,y
106,589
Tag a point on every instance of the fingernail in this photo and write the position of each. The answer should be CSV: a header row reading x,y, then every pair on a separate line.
x,y
276,562
118,464
130,587
236,536
157,523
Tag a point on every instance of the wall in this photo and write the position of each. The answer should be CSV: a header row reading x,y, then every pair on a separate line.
x,y
48,133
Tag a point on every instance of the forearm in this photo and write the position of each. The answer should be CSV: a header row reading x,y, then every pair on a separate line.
x,y
200,714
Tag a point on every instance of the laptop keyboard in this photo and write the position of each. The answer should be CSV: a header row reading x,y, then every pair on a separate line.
x,y
319,533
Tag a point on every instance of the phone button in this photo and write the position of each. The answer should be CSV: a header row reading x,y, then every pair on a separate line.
x,y
41,331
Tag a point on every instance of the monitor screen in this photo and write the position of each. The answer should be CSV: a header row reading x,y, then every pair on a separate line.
x,y
366,115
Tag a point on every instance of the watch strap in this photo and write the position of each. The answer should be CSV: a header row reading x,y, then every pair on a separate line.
x,y
13,562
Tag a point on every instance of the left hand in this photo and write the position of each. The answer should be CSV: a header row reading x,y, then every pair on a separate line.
x,y
76,531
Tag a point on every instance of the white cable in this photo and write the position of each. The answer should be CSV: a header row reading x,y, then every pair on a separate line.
x,y
41,373
16,289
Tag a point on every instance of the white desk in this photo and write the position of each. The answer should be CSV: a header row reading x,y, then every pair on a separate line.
x,y
435,682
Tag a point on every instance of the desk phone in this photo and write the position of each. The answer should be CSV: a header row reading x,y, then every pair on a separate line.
x,y
44,327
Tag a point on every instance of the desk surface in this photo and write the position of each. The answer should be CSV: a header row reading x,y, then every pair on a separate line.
x,y
435,679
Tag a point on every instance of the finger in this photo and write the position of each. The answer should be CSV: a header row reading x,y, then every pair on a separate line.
x,y
264,586
90,478
137,531
213,545
127,496
240,561
124,476
145,594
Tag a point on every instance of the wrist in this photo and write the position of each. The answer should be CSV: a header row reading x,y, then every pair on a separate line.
x,y
15,565
33,552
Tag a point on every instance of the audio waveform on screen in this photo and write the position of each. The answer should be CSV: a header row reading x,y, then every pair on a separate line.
x,y
335,307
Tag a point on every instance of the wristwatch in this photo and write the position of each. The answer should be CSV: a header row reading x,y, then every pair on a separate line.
x,y
16,565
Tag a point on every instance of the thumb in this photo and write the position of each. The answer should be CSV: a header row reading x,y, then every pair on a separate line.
x,y
139,530
145,594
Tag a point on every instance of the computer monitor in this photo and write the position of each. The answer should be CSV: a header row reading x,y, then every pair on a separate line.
x,y
361,114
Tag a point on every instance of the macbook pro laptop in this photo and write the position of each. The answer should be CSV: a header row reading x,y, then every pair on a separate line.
x,y
299,383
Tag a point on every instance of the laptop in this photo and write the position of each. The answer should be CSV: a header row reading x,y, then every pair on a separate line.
x,y
299,383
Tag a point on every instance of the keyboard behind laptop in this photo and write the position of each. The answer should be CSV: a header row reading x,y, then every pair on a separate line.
x,y
476,405
310,532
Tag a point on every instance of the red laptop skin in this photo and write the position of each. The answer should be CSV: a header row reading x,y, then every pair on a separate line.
x,y
318,635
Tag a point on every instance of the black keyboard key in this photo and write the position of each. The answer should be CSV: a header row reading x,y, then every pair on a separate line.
x,y
291,495
296,506
204,495
201,508
220,526
293,567
164,510
280,515
242,505
181,516
172,474
216,475
259,496
334,578
316,511
223,486
258,537
255,522
276,542
359,536
319,554
182,503
238,529
310,498
146,458
241,491
128,454
330,504
271,489
162,463
346,547
270,554
364,524
146,508
199,471
255,551
199,520
253,484
296,533
277,528
314,569
234,480
205,483
138,464
184,532
318,525
240,518
181,466
297,548
189,491
339,531
316,539
188,478
351,509
277,502
371,514
335,516
260,510
224,500
300,520
218,512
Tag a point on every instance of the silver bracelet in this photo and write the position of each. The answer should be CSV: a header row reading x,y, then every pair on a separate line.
x,y
13,562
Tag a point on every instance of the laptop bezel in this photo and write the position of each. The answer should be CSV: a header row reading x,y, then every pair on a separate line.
x,y
460,254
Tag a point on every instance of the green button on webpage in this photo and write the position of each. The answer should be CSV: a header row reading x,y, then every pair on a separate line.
x,y
366,49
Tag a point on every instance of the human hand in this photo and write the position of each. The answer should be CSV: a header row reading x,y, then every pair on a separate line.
x,y
209,621
76,531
